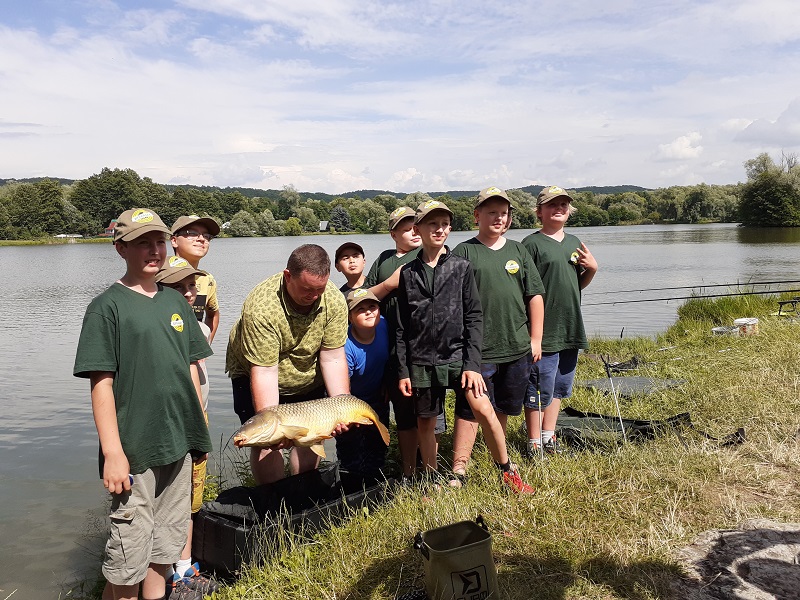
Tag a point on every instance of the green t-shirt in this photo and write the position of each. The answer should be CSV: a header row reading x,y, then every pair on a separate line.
x,y
270,332
383,267
148,344
558,268
506,278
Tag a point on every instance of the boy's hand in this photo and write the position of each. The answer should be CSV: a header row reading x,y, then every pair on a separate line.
x,y
585,258
115,473
472,380
536,349
405,386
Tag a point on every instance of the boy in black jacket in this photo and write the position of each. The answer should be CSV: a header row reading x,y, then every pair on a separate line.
x,y
439,337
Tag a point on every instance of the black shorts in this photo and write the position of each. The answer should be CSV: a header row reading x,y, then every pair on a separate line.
x,y
507,387
243,397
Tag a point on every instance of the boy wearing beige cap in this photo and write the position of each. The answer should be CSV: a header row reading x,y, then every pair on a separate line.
x,y
139,347
361,449
566,267
382,281
513,311
191,240
179,275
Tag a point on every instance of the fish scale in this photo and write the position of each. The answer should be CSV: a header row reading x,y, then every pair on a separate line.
x,y
307,423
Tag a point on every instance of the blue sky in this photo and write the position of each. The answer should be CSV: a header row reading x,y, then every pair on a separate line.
x,y
342,95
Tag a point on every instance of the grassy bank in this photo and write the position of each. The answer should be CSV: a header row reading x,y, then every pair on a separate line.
x,y
51,241
603,524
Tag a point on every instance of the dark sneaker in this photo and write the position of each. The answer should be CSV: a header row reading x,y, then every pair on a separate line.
x,y
515,483
195,580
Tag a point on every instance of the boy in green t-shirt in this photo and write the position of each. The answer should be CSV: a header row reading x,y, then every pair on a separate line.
x,y
439,337
513,310
139,347
382,281
566,267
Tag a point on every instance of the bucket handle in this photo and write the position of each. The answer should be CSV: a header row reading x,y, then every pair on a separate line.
x,y
420,545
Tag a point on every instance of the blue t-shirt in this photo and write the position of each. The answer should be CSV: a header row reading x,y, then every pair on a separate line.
x,y
366,364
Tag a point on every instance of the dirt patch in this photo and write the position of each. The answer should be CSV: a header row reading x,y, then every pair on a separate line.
x,y
757,561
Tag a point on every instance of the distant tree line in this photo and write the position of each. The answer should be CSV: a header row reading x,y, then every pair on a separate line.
x,y
47,207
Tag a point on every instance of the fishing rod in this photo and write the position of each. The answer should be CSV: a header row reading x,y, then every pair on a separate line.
x,y
689,297
689,287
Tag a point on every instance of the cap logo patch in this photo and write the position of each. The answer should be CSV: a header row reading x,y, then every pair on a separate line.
x,y
397,212
554,189
359,292
432,203
142,216
177,261
493,191
512,267
176,322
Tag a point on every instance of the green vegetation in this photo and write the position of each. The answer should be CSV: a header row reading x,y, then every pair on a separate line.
x,y
603,524
39,209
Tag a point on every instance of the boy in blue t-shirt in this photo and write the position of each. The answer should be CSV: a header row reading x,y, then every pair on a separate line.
x,y
361,450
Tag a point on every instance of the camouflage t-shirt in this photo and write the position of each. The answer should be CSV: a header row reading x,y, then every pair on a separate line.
x,y
270,332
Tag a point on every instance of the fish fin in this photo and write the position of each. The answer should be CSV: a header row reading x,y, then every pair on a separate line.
x,y
318,449
294,432
383,431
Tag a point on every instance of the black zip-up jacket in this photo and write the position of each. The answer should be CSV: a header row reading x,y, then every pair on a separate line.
x,y
443,327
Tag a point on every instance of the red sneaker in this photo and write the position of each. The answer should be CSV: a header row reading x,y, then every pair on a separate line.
x,y
514,481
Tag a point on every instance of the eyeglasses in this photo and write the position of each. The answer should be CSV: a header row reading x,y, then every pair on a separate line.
x,y
191,234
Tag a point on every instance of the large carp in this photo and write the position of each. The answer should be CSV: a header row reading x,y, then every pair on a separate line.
x,y
308,423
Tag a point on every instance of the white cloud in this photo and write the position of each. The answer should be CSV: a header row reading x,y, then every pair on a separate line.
x,y
681,148
402,96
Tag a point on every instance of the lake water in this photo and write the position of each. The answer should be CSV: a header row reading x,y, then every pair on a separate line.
x,y
52,500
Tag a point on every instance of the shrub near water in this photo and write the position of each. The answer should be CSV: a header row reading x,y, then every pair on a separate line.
x,y
603,524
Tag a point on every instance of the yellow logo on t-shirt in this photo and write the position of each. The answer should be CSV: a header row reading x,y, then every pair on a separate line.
x,y
141,216
512,267
176,322
573,258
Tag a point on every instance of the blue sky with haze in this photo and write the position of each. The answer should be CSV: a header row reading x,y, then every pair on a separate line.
x,y
344,95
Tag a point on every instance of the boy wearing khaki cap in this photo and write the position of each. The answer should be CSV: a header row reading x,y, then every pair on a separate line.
x,y
191,240
139,347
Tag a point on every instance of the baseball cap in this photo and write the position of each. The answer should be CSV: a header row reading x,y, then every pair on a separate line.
x,y
399,214
176,269
551,193
135,222
427,207
356,297
491,192
340,250
186,220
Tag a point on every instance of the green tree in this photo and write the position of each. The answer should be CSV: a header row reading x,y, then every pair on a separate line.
x,y
770,199
340,219
293,227
620,212
368,217
243,224
288,202
308,220
267,225
388,202
104,196
588,215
